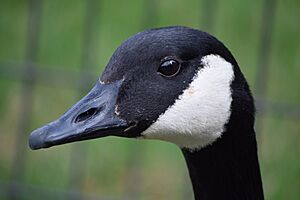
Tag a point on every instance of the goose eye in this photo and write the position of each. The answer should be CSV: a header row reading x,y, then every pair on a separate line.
x,y
169,68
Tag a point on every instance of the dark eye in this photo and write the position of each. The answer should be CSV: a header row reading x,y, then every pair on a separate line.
x,y
169,68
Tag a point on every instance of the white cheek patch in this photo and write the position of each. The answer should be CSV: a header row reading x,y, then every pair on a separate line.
x,y
198,116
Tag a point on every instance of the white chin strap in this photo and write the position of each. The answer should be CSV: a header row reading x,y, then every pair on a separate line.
x,y
198,116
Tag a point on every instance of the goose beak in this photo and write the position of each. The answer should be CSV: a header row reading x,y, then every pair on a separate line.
x,y
92,117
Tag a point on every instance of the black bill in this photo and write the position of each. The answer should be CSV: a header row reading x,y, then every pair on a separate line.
x,y
92,117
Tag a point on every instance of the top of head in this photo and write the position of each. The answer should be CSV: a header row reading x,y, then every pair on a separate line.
x,y
193,106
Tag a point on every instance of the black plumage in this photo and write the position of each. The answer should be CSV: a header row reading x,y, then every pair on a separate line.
x,y
131,95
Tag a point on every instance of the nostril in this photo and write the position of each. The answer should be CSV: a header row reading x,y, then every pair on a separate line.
x,y
87,114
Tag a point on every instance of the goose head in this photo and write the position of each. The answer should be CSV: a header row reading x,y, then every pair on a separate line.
x,y
175,84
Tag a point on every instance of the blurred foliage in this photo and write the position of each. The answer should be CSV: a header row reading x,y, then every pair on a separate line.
x,y
119,167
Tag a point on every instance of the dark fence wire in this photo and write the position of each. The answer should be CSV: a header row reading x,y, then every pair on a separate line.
x,y
78,156
26,98
264,52
29,191
32,74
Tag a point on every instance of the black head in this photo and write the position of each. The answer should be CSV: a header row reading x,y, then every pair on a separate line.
x,y
145,76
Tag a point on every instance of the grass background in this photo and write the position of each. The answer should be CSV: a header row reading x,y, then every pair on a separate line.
x,y
118,167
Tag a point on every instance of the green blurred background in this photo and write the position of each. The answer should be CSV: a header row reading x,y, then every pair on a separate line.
x,y
52,51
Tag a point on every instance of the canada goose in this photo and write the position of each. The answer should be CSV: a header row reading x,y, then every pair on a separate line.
x,y
179,85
